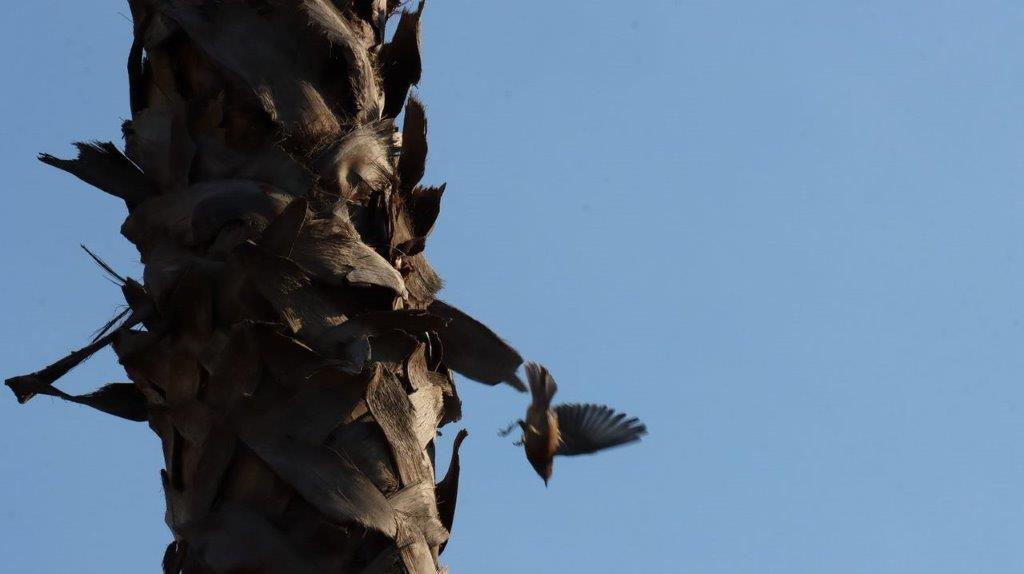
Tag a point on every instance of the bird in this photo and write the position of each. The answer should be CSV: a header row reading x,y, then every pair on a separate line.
x,y
568,429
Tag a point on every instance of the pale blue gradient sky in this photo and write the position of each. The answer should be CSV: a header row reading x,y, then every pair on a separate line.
x,y
788,235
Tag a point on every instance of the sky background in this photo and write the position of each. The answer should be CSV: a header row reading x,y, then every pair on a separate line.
x,y
788,236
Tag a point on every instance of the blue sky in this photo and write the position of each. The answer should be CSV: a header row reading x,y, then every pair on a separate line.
x,y
789,236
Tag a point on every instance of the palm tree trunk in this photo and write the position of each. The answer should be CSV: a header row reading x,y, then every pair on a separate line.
x,y
285,343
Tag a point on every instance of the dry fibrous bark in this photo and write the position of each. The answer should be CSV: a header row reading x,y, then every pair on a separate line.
x,y
285,342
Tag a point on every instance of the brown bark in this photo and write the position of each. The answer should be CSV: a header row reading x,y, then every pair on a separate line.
x,y
285,344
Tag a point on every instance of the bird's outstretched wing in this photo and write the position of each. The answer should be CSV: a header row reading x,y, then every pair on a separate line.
x,y
584,429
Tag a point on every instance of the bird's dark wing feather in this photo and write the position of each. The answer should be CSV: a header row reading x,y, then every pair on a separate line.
x,y
589,428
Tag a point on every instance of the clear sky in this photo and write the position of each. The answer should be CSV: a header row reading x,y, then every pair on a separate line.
x,y
788,235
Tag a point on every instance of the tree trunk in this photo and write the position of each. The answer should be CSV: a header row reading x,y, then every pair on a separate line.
x,y
285,343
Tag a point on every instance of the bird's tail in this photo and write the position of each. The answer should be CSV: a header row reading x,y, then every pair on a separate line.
x,y
542,384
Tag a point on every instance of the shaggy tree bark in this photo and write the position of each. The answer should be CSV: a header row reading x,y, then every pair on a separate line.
x,y
285,343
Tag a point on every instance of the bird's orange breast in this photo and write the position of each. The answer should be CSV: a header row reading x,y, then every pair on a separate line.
x,y
541,435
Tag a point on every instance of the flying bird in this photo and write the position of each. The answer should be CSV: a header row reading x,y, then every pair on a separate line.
x,y
567,429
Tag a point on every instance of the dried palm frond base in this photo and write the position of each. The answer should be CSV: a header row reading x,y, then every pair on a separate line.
x,y
285,342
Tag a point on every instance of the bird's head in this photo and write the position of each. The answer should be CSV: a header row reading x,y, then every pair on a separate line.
x,y
544,469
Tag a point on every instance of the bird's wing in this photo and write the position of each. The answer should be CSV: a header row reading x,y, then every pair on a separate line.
x,y
584,429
